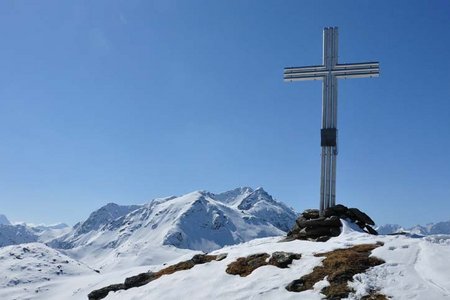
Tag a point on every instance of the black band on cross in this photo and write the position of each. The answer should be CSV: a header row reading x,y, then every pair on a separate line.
x,y
328,137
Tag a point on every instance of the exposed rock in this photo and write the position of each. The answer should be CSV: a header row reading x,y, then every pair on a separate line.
x,y
311,226
282,259
140,279
336,210
221,256
244,266
339,267
144,278
311,214
374,296
321,222
371,230
362,217
103,292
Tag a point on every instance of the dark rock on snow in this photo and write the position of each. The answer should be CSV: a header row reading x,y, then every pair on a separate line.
x,y
144,278
311,226
244,266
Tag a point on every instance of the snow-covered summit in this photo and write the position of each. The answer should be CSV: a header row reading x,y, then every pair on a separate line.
x,y
198,221
233,197
103,216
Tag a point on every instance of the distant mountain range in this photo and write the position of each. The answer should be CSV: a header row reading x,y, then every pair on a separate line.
x,y
13,234
199,220
119,241
432,228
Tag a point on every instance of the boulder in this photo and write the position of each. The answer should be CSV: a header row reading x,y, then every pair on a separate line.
x,y
362,217
103,292
311,214
139,280
282,259
311,226
337,210
371,230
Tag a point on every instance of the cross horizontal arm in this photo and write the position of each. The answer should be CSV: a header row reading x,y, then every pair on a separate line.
x,y
304,73
373,64
304,69
358,70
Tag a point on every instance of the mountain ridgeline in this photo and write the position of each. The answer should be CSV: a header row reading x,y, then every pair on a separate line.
x,y
198,221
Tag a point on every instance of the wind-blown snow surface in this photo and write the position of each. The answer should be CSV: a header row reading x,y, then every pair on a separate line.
x,y
415,268
168,227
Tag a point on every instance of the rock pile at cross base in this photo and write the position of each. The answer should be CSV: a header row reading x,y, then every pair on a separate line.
x,y
313,227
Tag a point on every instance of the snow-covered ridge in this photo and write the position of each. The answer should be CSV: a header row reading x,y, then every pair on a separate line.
x,y
36,263
199,220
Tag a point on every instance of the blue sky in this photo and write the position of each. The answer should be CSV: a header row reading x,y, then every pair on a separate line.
x,y
124,101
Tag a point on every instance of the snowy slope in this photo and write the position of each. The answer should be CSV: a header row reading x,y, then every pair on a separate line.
x,y
414,268
47,233
34,263
197,221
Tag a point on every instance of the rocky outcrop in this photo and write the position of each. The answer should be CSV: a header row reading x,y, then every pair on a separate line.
x,y
314,227
338,268
244,266
144,278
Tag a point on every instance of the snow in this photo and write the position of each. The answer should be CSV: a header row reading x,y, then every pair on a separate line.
x,y
168,227
415,268
116,242
16,234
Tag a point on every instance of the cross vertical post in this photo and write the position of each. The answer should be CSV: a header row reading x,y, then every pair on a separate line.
x,y
329,72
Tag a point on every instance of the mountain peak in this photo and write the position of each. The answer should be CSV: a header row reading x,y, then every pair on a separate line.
x,y
104,215
233,197
4,220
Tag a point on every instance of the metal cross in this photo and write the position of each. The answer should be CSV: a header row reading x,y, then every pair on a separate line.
x,y
329,72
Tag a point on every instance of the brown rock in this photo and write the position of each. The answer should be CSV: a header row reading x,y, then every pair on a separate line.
x,y
244,266
339,267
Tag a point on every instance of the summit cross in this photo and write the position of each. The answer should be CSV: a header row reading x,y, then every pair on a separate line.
x,y
329,72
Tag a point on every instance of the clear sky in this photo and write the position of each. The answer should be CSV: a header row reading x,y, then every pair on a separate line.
x,y
125,101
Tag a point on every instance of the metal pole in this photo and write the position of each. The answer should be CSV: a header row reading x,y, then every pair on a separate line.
x,y
334,123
